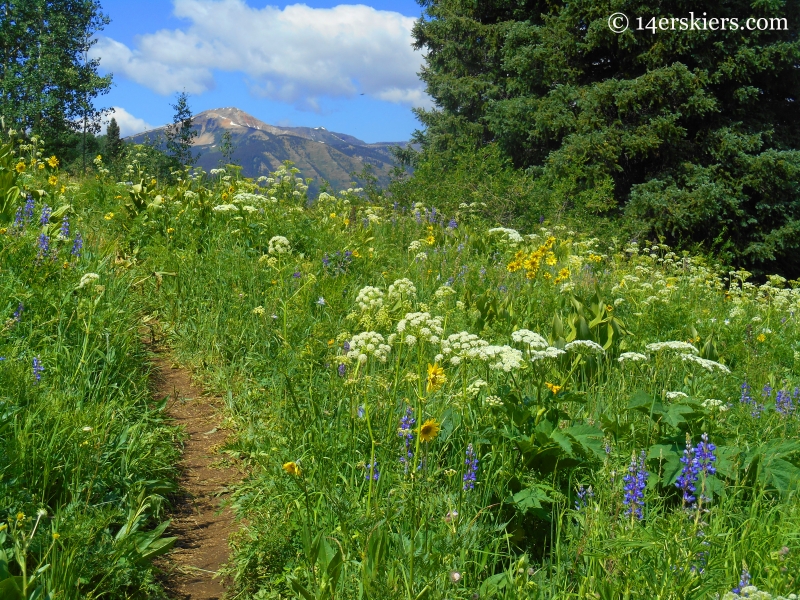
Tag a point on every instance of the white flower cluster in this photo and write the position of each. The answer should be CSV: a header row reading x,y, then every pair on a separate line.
x,y
530,338
422,256
458,346
675,395
369,298
247,197
751,592
279,245
584,347
493,401
443,292
714,404
549,352
510,236
88,279
414,246
401,289
676,346
225,208
420,325
631,356
216,171
499,358
474,388
708,365
369,343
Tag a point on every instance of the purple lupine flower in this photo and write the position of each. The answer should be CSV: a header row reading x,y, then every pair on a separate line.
x,y
541,219
297,274
452,224
460,247
43,245
688,477
348,255
432,215
342,370
745,398
77,245
418,216
705,456
65,227
346,346
471,462
19,222
38,369
744,581
406,432
29,206
584,495
450,280
325,260
635,483
784,403
372,468
18,313
44,219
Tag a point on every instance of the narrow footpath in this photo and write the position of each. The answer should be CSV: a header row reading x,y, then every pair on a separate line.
x,y
202,528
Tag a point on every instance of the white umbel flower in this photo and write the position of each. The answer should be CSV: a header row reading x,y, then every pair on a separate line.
x,y
632,357
675,346
584,347
368,344
279,245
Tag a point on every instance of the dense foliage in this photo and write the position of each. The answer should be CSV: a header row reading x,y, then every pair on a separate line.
x,y
694,134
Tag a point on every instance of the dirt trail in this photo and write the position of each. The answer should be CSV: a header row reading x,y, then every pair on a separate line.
x,y
202,530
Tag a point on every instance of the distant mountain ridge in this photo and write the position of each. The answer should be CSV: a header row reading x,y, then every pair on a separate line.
x,y
261,148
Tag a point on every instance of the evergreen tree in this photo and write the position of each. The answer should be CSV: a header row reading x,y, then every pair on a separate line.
x,y
115,147
180,135
694,133
48,84
227,148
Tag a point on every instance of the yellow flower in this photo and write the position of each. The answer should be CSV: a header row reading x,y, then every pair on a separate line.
x,y
109,216
429,430
99,157
274,281
20,516
20,167
436,377
563,275
65,265
170,230
330,343
152,181
332,215
52,180
356,254
431,240
63,189
553,387
224,195
551,259
761,337
52,161
56,535
292,468
346,222
41,166
231,189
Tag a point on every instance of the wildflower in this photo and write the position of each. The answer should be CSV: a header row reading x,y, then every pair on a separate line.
x,y
342,370
581,346
29,206
56,535
292,468
452,224
631,356
77,245
18,313
321,301
361,411
635,483
297,274
366,344
110,215
436,378
761,337
259,311
88,279
584,495
471,462
676,346
429,430
372,468
451,516
688,477
406,432
279,245
676,395
44,245
44,219
52,180
529,338
20,168
744,581
53,162
455,576
784,404
64,232
708,365
369,298
492,400
553,387
38,369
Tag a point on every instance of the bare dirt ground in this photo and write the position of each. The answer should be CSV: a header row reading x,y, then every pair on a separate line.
x,y
190,571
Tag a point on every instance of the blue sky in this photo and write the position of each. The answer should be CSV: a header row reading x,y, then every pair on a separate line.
x,y
347,67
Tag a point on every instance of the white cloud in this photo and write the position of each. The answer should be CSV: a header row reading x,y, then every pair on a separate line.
x,y
297,54
128,124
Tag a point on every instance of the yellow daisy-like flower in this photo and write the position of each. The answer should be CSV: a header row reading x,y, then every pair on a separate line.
x,y
170,230
332,215
63,189
292,468
231,189
224,195
41,166
431,240
56,535
20,167
356,253
346,222
52,161
761,337
551,259
109,216
436,377
152,181
563,275
553,387
330,343
20,516
52,180
429,430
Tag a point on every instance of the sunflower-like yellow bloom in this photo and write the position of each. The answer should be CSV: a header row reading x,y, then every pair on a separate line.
x,y
292,468
429,430
553,387
52,161
436,377
20,167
